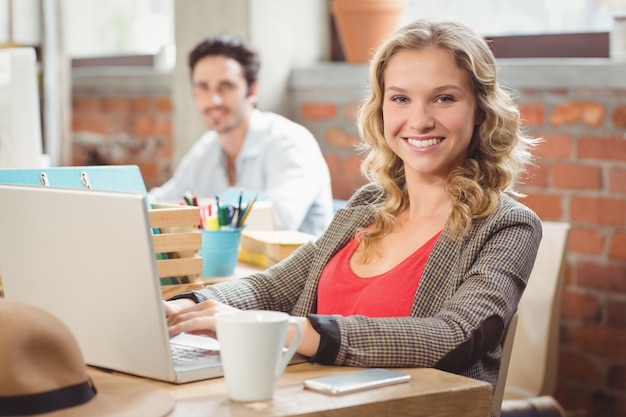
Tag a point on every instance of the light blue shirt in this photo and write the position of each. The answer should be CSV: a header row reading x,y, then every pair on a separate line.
x,y
279,158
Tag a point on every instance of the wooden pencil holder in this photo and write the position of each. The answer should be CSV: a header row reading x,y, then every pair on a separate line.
x,y
176,242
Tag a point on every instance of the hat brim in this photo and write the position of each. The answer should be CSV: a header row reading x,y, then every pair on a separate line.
x,y
121,396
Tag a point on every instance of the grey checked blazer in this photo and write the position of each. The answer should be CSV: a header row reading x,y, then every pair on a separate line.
x,y
468,292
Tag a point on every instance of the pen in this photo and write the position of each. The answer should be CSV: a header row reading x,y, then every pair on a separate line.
x,y
239,209
222,215
246,212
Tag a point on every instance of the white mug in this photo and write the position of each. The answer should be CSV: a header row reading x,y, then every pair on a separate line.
x,y
252,351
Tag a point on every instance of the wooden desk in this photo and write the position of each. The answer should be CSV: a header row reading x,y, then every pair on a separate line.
x,y
430,393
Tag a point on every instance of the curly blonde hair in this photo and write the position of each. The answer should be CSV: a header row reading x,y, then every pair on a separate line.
x,y
498,152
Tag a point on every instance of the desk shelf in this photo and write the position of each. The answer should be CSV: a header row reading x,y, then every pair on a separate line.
x,y
177,240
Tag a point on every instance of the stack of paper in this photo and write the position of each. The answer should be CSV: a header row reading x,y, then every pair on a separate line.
x,y
266,248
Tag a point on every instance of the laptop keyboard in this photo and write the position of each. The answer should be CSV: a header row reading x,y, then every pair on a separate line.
x,y
189,354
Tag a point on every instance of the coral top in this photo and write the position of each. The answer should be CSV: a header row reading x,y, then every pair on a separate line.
x,y
390,294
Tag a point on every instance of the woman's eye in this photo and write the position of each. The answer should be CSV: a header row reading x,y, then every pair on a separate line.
x,y
399,99
445,99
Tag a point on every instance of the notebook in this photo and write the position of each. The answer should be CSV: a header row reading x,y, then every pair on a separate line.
x,y
87,257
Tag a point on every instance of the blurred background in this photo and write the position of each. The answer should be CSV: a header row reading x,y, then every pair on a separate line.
x,y
114,89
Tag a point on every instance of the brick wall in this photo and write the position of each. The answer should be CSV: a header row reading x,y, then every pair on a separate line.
x,y
123,120
580,178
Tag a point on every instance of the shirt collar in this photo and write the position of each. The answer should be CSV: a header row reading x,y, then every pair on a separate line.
x,y
257,128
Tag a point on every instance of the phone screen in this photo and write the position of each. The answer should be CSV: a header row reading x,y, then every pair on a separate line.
x,y
356,381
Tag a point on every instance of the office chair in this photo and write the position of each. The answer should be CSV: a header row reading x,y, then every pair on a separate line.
x,y
507,347
533,363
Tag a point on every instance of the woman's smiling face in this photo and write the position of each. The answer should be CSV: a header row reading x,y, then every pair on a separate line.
x,y
429,111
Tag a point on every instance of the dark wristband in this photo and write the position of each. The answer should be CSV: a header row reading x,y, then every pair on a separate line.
x,y
190,295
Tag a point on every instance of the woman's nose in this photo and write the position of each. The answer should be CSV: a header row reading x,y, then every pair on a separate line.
x,y
420,118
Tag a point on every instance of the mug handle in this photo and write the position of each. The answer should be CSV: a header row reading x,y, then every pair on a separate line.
x,y
291,350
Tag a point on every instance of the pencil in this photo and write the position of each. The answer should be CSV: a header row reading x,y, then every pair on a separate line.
x,y
239,209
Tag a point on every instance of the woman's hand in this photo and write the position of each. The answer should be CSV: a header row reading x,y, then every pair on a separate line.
x,y
195,318
184,315
175,306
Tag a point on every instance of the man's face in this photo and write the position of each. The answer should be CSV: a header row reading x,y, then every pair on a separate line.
x,y
221,93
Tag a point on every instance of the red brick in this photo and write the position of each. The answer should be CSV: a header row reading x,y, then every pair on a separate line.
x,y
340,138
608,277
547,206
616,313
343,187
140,104
318,111
96,124
593,114
555,146
77,124
575,399
570,113
587,241
577,177
114,105
124,125
84,104
617,246
535,176
617,180
579,367
163,104
610,148
603,341
603,211
352,165
149,170
143,127
532,114
580,306
163,128
357,181
334,163
619,116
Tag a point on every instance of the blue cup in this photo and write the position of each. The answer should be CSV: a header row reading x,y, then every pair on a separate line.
x,y
220,251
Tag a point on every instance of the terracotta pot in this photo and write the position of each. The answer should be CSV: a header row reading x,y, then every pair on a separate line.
x,y
363,24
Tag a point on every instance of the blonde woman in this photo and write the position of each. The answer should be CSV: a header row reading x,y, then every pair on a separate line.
x,y
426,264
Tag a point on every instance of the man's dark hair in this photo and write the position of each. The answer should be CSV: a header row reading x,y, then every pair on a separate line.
x,y
231,47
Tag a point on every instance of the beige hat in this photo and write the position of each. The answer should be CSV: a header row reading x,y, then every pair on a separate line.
x,y
42,372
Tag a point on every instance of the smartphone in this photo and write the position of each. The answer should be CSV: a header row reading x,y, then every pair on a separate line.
x,y
356,381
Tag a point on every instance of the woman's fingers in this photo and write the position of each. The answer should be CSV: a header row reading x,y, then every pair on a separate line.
x,y
193,323
197,318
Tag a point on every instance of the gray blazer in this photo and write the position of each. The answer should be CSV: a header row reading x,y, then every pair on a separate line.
x,y
468,292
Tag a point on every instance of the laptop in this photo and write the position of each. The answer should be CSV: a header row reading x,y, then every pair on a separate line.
x,y
87,257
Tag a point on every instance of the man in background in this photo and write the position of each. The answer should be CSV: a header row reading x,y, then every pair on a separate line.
x,y
246,148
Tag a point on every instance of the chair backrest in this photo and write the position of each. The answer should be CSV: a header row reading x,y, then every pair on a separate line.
x,y
533,365
507,347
